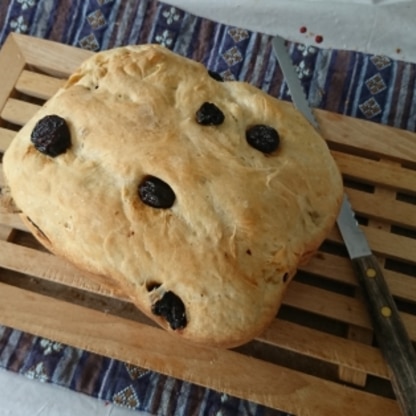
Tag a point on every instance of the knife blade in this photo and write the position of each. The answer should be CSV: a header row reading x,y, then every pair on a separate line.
x,y
390,332
295,87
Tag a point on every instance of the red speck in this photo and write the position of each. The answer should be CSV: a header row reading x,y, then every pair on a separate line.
x,y
319,39
303,29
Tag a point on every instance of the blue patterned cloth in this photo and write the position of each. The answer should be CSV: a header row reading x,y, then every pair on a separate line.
x,y
363,86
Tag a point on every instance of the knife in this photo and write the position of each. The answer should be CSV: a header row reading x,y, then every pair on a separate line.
x,y
390,332
389,329
295,87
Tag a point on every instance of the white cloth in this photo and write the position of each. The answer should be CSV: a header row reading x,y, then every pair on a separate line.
x,y
381,27
20,396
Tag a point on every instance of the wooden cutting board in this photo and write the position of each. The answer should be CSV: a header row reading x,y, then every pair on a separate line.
x,y
317,357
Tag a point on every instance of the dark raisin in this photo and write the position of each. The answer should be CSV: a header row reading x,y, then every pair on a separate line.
x,y
51,135
172,309
263,138
156,193
209,115
216,76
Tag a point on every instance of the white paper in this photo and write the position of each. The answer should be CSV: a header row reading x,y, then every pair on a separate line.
x,y
380,27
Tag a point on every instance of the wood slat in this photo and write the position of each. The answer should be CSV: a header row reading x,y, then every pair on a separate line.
x,y
301,296
373,172
149,347
18,112
52,268
38,85
5,232
332,267
11,220
294,338
338,351
376,206
339,269
372,138
29,261
50,57
11,65
401,286
6,137
284,334
384,243
339,307
328,304
391,245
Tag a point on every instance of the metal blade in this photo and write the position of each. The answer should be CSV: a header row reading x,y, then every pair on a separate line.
x,y
296,89
351,232
353,236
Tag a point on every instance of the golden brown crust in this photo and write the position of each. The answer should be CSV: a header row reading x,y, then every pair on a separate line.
x,y
242,221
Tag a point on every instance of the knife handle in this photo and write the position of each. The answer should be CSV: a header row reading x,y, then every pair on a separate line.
x,y
390,332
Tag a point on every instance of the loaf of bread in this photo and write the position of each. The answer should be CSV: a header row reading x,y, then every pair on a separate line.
x,y
198,197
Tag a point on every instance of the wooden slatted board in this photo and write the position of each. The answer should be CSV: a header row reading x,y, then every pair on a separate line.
x,y
317,358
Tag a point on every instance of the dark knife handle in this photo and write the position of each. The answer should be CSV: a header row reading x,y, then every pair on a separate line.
x,y
390,332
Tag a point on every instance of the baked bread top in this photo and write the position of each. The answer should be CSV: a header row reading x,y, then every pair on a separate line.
x,y
198,197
